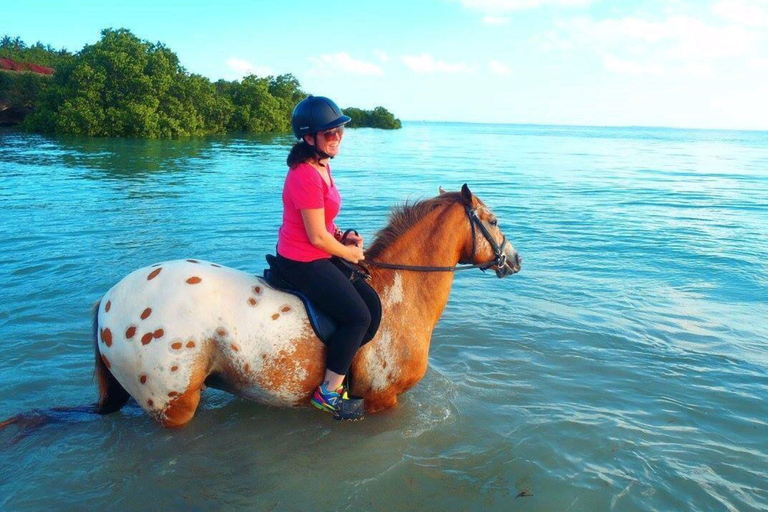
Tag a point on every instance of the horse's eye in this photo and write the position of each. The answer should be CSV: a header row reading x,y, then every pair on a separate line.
x,y
494,222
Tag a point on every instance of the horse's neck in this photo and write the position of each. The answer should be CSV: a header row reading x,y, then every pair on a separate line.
x,y
416,297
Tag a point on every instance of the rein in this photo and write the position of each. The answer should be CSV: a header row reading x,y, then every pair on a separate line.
x,y
500,260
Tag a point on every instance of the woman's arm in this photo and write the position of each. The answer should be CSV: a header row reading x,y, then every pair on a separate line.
x,y
314,223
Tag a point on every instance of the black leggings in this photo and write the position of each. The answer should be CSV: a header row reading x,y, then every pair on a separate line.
x,y
326,283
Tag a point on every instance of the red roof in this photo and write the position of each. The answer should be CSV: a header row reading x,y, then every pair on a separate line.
x,y
12,65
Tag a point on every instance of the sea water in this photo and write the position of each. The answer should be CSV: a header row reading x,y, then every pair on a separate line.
x,y
624,368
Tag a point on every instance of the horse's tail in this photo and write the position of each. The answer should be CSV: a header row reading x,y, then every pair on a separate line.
x,y
112,396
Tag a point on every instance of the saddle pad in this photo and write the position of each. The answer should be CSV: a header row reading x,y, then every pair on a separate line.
x,y
323,325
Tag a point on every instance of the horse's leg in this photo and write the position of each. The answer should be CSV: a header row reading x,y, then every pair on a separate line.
x,y
379,402
182,408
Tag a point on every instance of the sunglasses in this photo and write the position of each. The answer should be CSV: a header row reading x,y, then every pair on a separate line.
x,y
334,134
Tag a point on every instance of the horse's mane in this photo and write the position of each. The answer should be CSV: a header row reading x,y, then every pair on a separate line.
x,y
403,217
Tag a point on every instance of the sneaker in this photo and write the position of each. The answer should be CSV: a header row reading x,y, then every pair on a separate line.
x,y
325,400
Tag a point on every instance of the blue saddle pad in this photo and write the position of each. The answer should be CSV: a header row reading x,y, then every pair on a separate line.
x,y
322,324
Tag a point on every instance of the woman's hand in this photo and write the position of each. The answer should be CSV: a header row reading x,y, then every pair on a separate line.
x,y
353,254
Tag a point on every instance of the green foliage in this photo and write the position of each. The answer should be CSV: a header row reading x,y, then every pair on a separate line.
x,y
43,55
379,117
21,89
123,86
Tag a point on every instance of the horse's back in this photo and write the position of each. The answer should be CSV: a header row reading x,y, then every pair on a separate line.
x,y
163,327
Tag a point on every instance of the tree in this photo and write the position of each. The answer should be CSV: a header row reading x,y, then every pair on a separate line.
x,y
379,117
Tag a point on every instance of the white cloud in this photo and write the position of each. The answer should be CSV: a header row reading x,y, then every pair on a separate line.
x,y
343,62
697,69
497,6
496,20
625,67
499,68
742,12
677,37
383,57
428,64
242,68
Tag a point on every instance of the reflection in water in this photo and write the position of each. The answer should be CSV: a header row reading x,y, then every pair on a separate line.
x,y
132,158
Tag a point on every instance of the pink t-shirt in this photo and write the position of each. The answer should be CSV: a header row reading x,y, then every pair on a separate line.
x,y
305,189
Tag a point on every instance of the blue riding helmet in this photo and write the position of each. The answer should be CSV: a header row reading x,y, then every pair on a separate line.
x,y
316,114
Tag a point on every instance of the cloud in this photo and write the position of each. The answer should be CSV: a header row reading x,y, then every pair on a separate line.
x,y
242,68
499,6
343,62
428,64
499,68
625,67
677,37
496,20
383,57
742,12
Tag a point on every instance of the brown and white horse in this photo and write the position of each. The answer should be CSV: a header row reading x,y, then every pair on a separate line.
x,y
164,332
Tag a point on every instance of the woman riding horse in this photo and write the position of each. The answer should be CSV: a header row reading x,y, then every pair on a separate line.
x,y
310,245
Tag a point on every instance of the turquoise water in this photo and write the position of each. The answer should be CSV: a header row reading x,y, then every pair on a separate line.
x,y
624,368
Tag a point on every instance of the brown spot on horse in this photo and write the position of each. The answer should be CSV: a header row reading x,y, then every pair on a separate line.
x,y
146,338
221,332
143,379
106,336
215,265
176,346
154,273
257,290
150,403
145,314
108,306
158,333
190,344
235,347
174,368
285,308
193,280
252,301
172,394
130,332
275,316
193,261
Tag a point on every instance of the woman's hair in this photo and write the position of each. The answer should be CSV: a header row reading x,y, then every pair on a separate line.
x,y
300,153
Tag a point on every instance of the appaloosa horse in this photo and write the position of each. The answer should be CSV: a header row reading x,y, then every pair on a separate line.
x,y
165,331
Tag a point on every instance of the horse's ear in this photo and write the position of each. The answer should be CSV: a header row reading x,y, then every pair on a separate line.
x,y
440,190
466,195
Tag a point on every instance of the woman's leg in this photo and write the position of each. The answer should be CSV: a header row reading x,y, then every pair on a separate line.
x,y
332,292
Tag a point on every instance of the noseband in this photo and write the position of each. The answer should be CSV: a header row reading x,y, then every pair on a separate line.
x,y
500,258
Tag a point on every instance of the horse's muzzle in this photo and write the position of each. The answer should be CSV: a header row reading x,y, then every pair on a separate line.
x,y
511,266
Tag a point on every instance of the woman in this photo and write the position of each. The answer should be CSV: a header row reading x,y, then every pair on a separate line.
x,y
309,243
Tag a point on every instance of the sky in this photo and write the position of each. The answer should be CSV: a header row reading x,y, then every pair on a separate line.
x,y
674,63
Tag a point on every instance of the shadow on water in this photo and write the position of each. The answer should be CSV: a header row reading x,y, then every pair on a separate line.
x,y
124,158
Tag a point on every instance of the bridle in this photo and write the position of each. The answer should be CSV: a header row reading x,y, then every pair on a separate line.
x,y
499,260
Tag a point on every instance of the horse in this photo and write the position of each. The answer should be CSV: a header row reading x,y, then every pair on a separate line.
x,y
165,332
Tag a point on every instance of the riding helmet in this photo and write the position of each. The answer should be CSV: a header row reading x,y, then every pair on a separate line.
x,y
316,114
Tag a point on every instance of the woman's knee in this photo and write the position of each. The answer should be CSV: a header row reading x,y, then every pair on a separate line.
x,y
359,318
